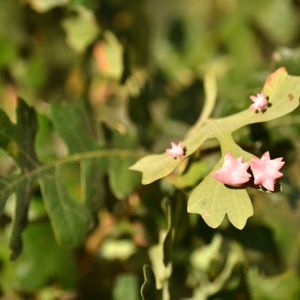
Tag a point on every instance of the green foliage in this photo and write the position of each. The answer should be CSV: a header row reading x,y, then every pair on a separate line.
x,y
148,290
18,141
70,218
126,286
81,30
284,94
108,82
40,244
285,285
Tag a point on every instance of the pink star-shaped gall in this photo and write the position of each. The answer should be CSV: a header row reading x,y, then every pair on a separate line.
x,y
260,102
176,151
233,172
266,170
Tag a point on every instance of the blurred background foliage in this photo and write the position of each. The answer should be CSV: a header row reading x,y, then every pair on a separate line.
x,y
127,76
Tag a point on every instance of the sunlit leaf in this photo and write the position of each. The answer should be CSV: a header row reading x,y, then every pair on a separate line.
x,y
117,249
18,141
211,198
81,29
283,91
42,6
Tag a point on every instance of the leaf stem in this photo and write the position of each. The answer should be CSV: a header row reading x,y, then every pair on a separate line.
x,y
69,159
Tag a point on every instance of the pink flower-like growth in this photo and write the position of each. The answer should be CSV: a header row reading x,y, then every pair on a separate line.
x,y
176,151
233,172
266,170
260,102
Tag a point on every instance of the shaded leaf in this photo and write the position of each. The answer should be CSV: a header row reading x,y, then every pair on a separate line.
x,y
277,12
148,290
169,235
43,260
73,125
18,141
192,176
261,287
70,219
288,58
126,287
23,197
156,253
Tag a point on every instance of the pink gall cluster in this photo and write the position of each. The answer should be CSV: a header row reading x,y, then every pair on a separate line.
x,y
233,172
265,171
176,150
260,102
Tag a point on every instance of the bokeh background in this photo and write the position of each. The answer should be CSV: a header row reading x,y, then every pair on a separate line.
x,y
135,70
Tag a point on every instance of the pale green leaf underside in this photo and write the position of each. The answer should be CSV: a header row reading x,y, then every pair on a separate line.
x,y
283,92
157,166
212,199
70,219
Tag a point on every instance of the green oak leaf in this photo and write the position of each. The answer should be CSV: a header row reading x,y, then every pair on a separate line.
x,y
71,216
78,132
213,200
18,141
70,219
283,91
210,198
